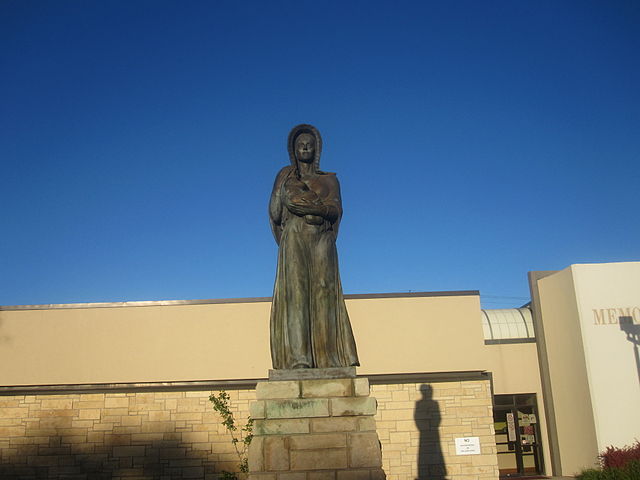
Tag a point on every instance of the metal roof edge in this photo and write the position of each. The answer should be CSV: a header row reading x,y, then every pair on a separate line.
x,y
211,301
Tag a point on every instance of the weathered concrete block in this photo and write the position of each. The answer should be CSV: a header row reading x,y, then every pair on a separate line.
x,y
115,402
334,424
292,476
361,387
62,403
284,389
313,428
255,457
257,409
276,455
262,476
13,431
354,475
399,438
323,459
312,373
281,426
192,472
353,406
324,440
93,414
367,424
473,411
482,460
128,451
297,408
378,474
339,387
364,450
327,475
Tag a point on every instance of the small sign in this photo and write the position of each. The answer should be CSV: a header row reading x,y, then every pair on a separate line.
x,y
468,446
511,427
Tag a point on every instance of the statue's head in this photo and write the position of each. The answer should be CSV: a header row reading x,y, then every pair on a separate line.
x,y
305,145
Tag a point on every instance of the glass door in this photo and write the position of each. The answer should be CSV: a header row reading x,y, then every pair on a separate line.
x,y
517,435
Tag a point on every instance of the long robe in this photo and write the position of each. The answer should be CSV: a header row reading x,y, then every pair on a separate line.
x,y
310,327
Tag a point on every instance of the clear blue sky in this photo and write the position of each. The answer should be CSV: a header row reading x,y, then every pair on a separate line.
x,y
474,141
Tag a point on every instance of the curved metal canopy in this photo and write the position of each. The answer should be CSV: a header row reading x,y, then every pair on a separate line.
x,y
508,324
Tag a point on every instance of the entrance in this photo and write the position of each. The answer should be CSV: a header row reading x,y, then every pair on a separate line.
x,y
517,429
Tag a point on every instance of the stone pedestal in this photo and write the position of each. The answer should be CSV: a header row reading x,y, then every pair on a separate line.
x,y
310,427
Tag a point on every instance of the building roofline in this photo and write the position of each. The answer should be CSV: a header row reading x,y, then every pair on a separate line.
x,y
170,303
230,384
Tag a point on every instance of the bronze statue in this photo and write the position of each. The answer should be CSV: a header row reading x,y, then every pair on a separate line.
x,y
310,327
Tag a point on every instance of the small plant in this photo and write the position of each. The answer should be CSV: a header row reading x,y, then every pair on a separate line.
x,y
616,464
591,474
240,442
619,457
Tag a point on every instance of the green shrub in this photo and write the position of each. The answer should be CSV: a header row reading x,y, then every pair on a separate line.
x,y
240,440
591,474
630,471
633,469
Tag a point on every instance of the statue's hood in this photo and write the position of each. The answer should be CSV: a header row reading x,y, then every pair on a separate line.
x,y
293,134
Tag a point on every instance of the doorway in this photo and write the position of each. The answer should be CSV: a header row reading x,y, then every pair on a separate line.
x,y
517,428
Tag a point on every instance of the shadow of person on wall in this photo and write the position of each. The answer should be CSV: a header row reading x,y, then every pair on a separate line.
x,y
632,330
427,416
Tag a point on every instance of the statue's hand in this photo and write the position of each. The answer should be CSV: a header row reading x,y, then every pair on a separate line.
x,y
302,208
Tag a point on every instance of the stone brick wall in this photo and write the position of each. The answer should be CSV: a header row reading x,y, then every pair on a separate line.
x,y
155,435
116,435
418,423
316,429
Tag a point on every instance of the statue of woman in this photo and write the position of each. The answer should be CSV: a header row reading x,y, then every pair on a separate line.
x,y
310,327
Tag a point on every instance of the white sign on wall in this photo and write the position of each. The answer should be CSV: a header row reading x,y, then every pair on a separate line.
x,y
468,446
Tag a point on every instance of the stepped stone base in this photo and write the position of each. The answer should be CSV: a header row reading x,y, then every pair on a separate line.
x,y
312,373
310,428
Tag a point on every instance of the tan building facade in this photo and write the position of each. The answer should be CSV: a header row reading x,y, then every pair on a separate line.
x,y
118,384
588,335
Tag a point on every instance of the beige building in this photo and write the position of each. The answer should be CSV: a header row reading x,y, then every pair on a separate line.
x,y
588,335
116,384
